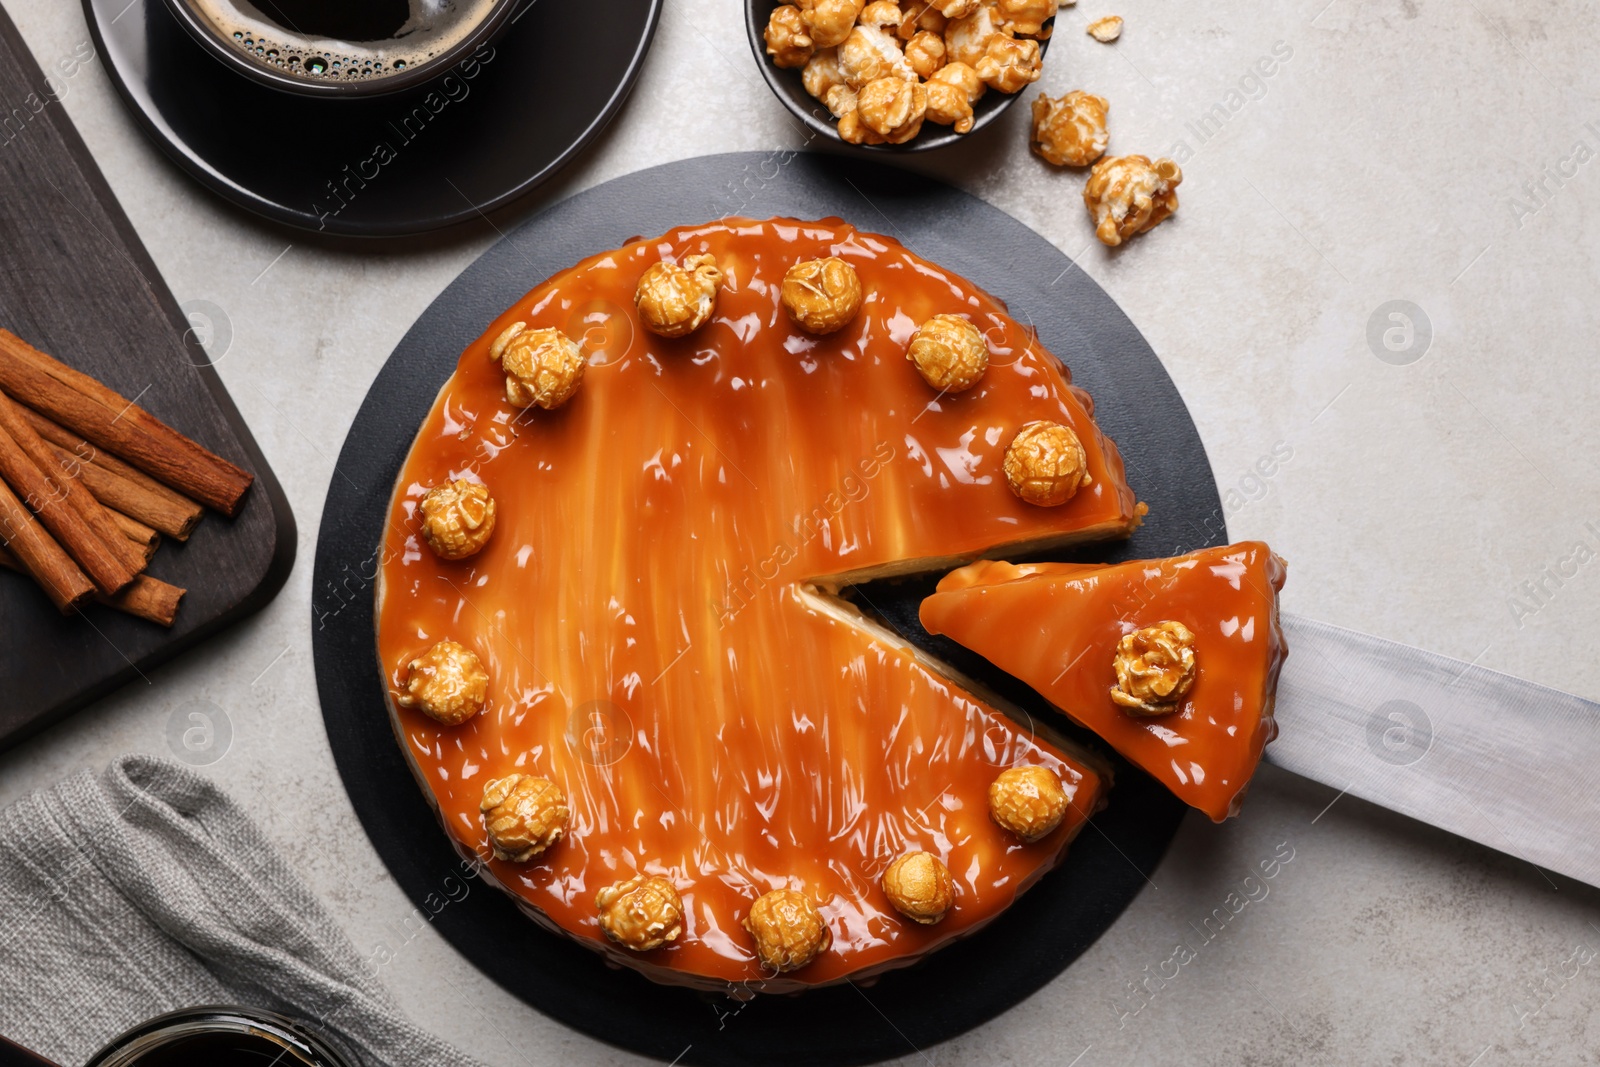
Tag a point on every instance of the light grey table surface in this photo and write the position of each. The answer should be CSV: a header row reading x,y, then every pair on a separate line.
x,y
1432,151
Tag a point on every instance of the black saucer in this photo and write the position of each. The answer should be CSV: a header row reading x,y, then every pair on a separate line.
x,y
960,986
417,160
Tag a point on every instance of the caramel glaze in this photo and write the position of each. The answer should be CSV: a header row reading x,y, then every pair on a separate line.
x,y
655,610
1056,626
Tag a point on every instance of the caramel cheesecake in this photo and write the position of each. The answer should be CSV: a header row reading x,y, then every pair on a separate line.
x,y
607,610
1173,662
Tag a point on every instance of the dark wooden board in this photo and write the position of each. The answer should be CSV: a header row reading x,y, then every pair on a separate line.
x,y
955,989
76,283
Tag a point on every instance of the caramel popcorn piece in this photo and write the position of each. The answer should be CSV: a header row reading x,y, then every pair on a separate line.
x,y
543,367
1105,30
1045,464
893,108
1129,194
447,683
918,16
918,885
925,53
869,54
1155,669
642,913
821,295
457,518
956,9
842,101
881,14
675,300
967,37
788,38
952,91
1027,801
949,353
822,73
851,129
1010,63
830,21
1071,131
523,815
1026,18
788,930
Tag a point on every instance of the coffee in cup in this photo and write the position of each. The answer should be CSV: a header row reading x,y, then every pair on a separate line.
x,y
341,41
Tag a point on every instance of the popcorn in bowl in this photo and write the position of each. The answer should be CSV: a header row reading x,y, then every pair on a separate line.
x,y
844,46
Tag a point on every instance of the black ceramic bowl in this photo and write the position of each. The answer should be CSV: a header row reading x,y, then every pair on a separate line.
x,y
787,87
232,55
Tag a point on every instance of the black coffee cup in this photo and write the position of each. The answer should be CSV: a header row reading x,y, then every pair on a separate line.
x,y
213,1036
342,48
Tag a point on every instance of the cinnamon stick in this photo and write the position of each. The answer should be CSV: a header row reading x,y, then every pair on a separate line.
x,y
145,597
101,556
78,496
34,552
95,411
138,534
139,496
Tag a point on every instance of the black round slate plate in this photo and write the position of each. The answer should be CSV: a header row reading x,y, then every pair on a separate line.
x,y
953,990
404,163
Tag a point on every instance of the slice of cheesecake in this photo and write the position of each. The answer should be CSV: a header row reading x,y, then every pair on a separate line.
x,y
1174,662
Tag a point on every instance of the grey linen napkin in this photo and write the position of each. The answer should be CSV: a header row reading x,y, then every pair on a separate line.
x,y
145,888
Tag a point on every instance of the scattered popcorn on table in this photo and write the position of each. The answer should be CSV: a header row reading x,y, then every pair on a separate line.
x,y
1129,194
1071,131
1105,30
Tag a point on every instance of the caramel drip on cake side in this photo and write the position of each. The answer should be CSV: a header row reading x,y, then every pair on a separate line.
x,y
643,610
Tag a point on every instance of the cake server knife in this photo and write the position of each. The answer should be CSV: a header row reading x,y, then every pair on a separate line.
x,y
1492,758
